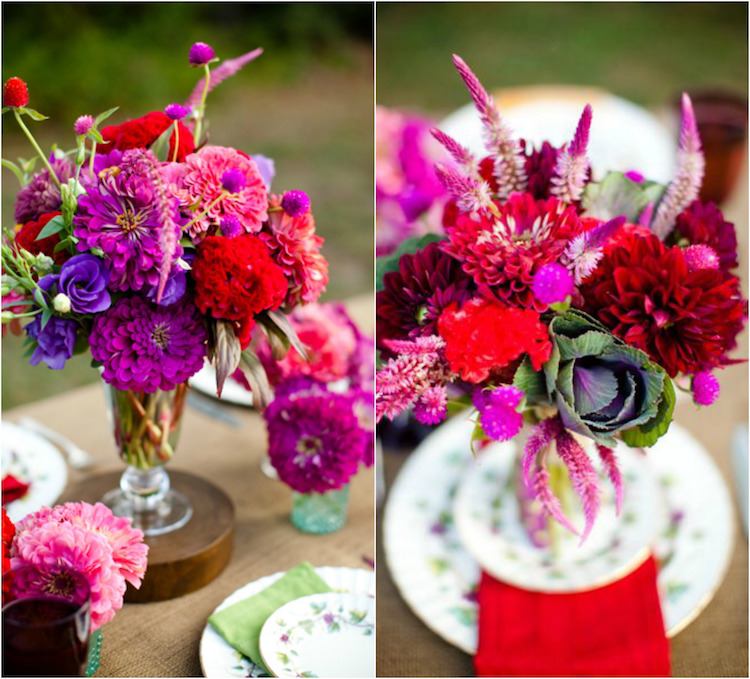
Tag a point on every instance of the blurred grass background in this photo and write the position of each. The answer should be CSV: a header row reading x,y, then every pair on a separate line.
x,y
307,103
643,51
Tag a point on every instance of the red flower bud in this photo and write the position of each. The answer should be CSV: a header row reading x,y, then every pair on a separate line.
x,y
15,93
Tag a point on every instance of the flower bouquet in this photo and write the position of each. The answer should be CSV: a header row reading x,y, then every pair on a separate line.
x,y
571,305
79,556
154,250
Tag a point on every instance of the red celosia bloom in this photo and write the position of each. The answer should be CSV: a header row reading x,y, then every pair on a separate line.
x,y
484,336
643,291
26,238
235,279
140,133
9,532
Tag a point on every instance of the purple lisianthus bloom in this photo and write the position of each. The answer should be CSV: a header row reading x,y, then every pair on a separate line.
x,y
145,347
120,213
55,341
83,280
41,194
200,53
267,169
173,290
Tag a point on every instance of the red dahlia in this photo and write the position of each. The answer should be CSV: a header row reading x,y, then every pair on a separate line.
x,y
643,291
140,133
26,238
484,336
704,224
235,279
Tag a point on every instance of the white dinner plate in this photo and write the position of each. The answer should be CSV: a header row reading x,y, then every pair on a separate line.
x,y
437,577
321,635
32,459
204,381
624,136
219,659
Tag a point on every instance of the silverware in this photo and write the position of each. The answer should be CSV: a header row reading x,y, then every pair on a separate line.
x,y
209,407
77,457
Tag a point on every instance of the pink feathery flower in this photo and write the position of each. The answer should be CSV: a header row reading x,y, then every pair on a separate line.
x,y
540,438
706,388
583,253
700,256
227,69
472,195
459,153
509,159
573,164
582,475
431,406
685,186
412,378
609,460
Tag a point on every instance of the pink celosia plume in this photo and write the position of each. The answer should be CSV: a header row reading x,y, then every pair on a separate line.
x,y
542,490
573,164
582,475
472,195
227,69
609,459
459,153
585,250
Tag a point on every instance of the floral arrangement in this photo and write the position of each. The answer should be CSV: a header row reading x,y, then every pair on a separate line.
x,y
573,305
44,552
155,249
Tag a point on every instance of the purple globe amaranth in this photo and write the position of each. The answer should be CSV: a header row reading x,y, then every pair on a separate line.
x,y
83,280
55,342
200,54
41,194
177,111
145,347
295,203
704,224
230,227
552,283
233,180
83,125
120,214
498,412
705,387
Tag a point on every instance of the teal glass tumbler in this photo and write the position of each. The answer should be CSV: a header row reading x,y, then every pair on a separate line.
x,y
320,513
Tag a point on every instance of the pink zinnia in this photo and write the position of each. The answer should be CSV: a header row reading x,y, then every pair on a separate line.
x,y
198,183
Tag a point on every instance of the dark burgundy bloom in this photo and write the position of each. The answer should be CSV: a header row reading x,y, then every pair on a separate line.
x,y
540,168
413,297
704,224
687,321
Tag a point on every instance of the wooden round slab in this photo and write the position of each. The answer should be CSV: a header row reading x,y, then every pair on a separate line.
x,y
188,558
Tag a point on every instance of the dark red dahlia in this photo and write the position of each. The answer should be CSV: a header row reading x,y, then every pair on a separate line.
x,y
504,253
685,321
27,234
704,224
540,167
140,133
413,297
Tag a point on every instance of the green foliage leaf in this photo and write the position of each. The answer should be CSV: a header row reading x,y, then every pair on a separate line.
x,y
106,114
46,315
647,434
160,147
96,135
10,165
53,226
383,265
530,382
617,195
33,114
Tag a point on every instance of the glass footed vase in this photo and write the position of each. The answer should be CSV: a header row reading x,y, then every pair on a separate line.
x,y
146,429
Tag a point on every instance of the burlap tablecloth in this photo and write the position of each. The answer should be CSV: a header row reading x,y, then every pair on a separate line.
x,y
714,645
161,639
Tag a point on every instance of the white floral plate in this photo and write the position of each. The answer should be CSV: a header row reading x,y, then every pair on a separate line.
x,y
489,524
321,635
219,659
204,381
32,459
438,578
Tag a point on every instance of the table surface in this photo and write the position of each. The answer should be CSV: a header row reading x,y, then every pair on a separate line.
x,y
715,644
161,639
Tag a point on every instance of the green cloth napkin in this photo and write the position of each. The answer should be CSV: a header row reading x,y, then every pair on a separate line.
x,y
240,623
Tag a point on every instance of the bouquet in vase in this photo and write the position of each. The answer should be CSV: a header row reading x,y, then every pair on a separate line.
x,y
571,305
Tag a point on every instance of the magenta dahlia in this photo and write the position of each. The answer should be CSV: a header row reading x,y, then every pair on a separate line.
x,y
506,251
704,224
41,194
145,347
643,290
412,299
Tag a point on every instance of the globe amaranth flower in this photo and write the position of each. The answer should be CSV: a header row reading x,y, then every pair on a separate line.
x,y
15,93
644,293
601,385
498,412
705,388
140,133
177,111
484,336
295,203
505,252
552,283
83,125
120,214
55,340
42,195
26,238
200,54
144,347
230,227
296,249
83,281
199,185
704,224
315,440
413,297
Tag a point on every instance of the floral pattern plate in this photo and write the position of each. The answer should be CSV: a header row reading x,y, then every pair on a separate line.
x,y
488,521
219,659
32,459
321,635
437,577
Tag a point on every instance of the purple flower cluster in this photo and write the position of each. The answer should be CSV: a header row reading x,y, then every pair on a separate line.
x,y
144,347
55,341
41,194
316,440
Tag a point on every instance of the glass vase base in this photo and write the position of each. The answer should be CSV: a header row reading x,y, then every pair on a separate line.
x,y
320,513
171,513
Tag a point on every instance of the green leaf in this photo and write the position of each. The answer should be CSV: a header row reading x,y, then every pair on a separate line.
x,y
530,382
40,299
33,114
591,343
53,226
103,116
5,109
279,324
96,136
160,147
384,265
617,195
647,434
10,165
46,315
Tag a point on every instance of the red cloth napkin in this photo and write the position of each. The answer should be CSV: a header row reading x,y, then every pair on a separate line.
x,y
13,488
613,631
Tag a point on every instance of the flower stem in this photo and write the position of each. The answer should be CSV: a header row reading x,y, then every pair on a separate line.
x,y
91,159
202,106
33,141
221,196
176,141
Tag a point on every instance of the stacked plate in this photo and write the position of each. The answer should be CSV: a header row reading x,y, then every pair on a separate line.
x,y
449,516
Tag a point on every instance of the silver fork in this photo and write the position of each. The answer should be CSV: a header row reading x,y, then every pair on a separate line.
x,y
77,457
